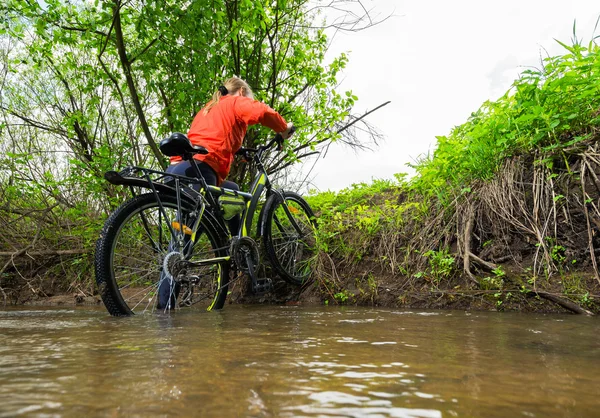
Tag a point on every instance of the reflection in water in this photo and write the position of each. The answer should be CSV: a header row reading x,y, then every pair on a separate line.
x,y
264,361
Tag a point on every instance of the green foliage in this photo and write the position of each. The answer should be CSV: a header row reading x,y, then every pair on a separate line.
x,y
573,284
557,252
367,288
585,300
108,79
494,283
545,124
92,86
343,296
350,220
550,109
441,265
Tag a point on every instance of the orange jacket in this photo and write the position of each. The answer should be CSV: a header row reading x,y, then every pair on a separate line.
x,y
222,130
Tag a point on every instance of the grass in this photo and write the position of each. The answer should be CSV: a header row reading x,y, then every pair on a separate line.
x,y
516,182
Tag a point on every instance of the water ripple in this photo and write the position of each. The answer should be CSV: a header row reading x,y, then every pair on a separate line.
x,y
300,361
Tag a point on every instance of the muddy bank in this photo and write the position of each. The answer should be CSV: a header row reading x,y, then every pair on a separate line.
x,y
526,240
370,286
387,293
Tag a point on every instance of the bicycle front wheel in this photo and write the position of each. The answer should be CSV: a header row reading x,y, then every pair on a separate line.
x,y
289,236
136,253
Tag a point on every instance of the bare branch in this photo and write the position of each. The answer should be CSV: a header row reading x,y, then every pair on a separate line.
x,y
276,166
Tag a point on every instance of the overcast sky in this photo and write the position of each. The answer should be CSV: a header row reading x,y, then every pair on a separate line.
x,y
438,61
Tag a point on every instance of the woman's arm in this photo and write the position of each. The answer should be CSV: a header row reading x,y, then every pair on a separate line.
x,y
252,112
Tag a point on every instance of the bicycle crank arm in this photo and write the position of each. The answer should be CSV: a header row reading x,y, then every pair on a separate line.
x,y
258,285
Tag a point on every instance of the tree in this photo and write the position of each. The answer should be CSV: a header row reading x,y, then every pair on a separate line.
x,y
91,86
156,63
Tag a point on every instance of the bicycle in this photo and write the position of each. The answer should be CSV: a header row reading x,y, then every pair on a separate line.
x,y
177,231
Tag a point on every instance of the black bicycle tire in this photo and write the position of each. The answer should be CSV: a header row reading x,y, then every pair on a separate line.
x,y
269,210
108,289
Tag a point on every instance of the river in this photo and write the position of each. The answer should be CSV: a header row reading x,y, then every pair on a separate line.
x,y
292,361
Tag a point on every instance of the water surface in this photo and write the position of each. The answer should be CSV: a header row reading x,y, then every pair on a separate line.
x,y
264,361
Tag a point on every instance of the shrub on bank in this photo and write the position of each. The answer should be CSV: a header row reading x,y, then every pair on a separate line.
x,y
517,184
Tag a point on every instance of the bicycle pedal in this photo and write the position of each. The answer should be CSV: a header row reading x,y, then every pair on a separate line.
x,y
262,285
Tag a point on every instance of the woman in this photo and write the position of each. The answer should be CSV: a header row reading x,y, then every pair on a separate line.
x,y
220,128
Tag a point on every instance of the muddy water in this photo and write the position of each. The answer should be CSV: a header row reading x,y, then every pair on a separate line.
x,y
298,361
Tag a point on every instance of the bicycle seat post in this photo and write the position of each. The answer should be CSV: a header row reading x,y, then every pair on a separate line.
x,y
196,169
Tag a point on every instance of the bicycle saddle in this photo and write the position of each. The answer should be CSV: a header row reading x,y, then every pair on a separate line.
x,y
178,144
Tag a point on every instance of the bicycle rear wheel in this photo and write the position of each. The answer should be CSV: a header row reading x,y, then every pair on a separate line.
x,y
289,236
136,252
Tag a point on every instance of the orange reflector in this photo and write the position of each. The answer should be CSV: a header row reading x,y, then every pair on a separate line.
x,y
293,210
177,227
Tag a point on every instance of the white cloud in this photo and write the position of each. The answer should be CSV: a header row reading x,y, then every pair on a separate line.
x,y
438,61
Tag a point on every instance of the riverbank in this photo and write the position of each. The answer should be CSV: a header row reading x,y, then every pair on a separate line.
x,y
504,215
525,240
387,291
387,295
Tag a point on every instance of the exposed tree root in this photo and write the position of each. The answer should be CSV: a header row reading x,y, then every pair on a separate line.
x,y
327,278
565,303
489,266
587,218
4,296
467,254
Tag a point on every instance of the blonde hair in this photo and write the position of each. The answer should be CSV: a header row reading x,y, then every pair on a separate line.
x,y
232,85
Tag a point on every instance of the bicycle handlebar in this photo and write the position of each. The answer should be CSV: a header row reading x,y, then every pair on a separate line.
x,y
279,140
276,139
